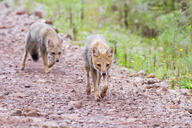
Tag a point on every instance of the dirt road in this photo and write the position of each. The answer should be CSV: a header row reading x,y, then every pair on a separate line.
x,y
31,98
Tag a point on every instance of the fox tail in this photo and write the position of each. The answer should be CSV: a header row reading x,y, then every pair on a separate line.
x,y
34,51
34,54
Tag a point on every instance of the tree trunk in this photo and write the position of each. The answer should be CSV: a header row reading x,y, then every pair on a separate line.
x,y
126,10
82,10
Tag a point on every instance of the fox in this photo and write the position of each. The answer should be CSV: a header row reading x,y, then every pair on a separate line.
x,y
98,59
42,37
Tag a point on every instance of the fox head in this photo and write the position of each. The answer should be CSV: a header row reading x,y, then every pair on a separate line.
x,y
54,50
102,60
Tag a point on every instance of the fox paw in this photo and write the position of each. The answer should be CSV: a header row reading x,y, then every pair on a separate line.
x,y
103,94
104,91
47,70
97,97
22,68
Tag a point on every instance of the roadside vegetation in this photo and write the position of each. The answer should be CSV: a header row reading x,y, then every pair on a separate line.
x,y
150,35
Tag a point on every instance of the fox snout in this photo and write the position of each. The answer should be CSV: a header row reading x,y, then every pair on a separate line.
x,y
103,73
57,60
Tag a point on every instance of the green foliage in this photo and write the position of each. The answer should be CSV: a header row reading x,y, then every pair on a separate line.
x,y
186,83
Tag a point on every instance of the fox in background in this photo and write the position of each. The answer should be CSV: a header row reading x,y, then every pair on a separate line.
x,y
98,59
42,36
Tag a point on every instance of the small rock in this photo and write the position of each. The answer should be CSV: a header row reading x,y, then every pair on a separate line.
x,y
141,73
50,124
78,104
68,36
124,123
3,109
22,30
174,107
190,111
17,113
154,86
135,83
63,125
151,75
38,14
2,97
184,91
6,93
70,107
56,117
151,81
128,121
75,104
48,21
19,95
2,27
133,75
22,12
42,80
27,86
156,126
148,87
164,89
31,112
6,5
111,111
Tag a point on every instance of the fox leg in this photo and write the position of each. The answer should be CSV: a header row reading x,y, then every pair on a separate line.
x,y
27,41
98,82
51,64
88,89
24,59
95,83
104,90
45,60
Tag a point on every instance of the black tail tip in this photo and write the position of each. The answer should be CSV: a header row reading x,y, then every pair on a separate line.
x,y
35,57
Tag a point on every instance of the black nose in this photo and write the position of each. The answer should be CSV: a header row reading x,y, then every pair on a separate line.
x,y
57,60
104,73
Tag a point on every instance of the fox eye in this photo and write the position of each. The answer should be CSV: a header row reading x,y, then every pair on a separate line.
x,y
53,53
59,53
107,65
99,65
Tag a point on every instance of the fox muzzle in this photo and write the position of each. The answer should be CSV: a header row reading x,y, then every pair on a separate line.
x,y
103,73
57,60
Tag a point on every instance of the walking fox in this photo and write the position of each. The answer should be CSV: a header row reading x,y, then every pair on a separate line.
x,y
98,59
42,36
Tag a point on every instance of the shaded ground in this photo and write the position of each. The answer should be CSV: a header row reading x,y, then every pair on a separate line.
x,y
31,98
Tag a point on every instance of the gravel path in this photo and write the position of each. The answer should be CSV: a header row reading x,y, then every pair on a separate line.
x,y
31,98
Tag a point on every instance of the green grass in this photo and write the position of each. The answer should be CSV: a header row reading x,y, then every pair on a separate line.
x,y
186,83
166,51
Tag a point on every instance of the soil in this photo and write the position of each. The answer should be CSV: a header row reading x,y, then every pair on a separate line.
x,y
32,98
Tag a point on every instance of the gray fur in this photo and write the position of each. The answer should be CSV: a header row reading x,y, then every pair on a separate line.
x,y
87,53
37,38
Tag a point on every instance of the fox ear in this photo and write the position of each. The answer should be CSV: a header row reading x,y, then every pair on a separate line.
x,y
110,52
95,52
50,42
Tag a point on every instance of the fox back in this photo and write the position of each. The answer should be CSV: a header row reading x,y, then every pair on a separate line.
x,y
97,54
44,36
